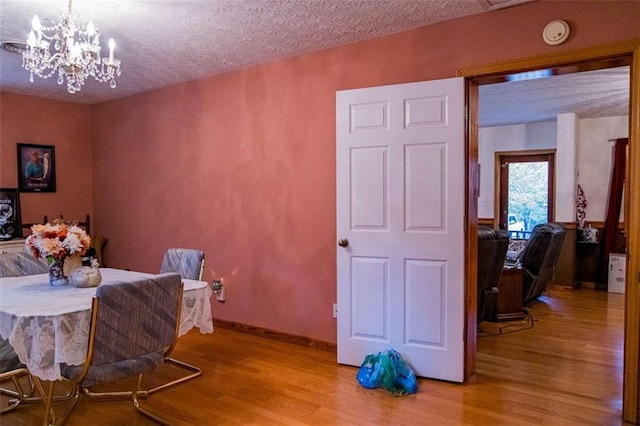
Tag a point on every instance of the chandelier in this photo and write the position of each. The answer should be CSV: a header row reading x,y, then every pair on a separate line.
x,y
70,49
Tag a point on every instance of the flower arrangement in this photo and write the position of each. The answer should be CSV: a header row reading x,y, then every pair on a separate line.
x,y
57,241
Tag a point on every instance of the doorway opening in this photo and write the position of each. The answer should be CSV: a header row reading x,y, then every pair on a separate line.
x,y
597,58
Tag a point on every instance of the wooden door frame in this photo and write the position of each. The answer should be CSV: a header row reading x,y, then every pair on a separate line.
x,y
629,49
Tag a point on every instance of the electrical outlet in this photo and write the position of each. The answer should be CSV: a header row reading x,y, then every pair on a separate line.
x,y
335,310
221,296
218,289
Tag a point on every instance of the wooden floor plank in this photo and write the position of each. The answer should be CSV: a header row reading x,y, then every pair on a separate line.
x,y
566,369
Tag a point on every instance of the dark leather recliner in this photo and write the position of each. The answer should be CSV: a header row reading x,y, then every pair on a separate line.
x,y
492,251
539,257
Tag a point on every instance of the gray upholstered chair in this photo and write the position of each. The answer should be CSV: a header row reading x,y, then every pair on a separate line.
x,y
11,369
189,263
134,327
19,264
16,265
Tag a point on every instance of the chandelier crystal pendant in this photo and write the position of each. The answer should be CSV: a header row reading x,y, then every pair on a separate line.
x,y
70,49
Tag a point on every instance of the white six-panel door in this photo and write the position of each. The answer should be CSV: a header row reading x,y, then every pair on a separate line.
x,y
400,218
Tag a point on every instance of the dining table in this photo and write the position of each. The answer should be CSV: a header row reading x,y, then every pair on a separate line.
x,y
48,326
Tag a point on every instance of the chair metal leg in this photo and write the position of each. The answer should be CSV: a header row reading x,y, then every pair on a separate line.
x,y
49,417
112,395
139,409
195,372
19,396
30,398
13,375
144,393
76,395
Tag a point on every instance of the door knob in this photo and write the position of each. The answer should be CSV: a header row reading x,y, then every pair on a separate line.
x,y
343,242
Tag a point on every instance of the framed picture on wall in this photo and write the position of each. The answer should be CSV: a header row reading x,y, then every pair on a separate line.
x,y
10,217
36,168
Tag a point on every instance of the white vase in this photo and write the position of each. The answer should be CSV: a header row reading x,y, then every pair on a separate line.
x,y
590,235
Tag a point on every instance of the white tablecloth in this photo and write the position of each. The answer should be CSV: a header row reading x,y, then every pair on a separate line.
x,y
48,326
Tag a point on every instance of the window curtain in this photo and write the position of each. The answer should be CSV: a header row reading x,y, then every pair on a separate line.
x,y
608,237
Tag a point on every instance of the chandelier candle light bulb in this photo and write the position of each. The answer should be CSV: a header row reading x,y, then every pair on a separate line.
x,y
31,40
76,54
112,46
91,30
35,23
35,35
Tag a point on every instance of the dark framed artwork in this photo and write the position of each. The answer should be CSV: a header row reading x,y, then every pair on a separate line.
x,y
10,216
36,168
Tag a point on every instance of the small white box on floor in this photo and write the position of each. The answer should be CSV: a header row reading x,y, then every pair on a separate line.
x,y
617,270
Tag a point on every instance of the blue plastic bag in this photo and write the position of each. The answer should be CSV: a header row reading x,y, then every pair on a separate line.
x,y
389,370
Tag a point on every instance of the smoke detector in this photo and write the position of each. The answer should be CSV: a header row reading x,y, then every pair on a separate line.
x,y
556,32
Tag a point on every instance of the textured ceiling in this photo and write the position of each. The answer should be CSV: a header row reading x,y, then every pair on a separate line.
x,y
602,93
164,42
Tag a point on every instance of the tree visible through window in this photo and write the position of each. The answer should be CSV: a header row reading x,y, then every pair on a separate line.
x,y
526,192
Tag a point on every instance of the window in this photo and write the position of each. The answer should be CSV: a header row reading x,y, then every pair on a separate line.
x,y
525,191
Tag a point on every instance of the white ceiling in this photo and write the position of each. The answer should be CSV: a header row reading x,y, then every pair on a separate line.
x,y
589,94
164,42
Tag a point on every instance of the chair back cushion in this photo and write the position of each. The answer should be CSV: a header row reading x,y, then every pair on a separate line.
x,y
492,252
136,324
20,264
136,318
543,247
8,358
539,258
186,262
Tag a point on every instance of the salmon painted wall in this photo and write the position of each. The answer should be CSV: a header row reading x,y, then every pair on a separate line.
x,y
242,165
66,126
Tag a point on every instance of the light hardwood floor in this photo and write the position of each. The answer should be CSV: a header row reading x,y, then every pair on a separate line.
x,y
566,370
